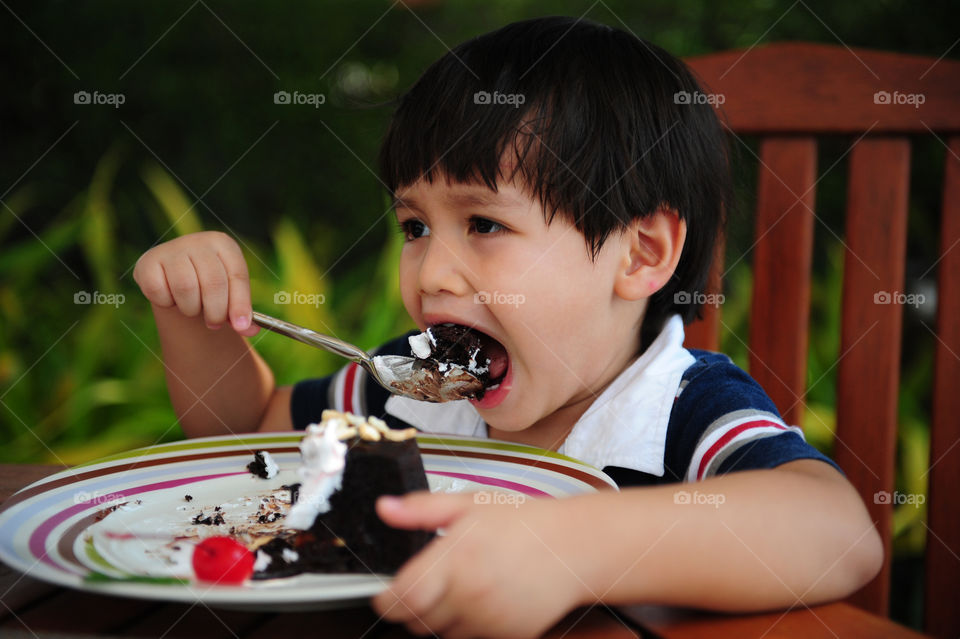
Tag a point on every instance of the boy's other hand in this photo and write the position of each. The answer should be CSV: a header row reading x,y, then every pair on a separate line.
x,y
500,569
201,273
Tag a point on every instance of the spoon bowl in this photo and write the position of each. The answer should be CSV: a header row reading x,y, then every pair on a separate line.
x,y
398,374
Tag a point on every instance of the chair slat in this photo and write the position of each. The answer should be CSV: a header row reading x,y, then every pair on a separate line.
x,y
705,332
782,256
868,370
943,538
802,87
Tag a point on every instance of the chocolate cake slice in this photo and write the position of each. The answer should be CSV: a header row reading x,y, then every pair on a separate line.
x,y
346,534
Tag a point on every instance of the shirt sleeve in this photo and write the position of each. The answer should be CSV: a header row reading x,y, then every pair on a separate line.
x,y
351,389
722,421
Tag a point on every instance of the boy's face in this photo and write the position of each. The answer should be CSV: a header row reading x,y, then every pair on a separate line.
x,y
490,261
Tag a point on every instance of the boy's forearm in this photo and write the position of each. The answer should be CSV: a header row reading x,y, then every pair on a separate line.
x,y
741,543
217,382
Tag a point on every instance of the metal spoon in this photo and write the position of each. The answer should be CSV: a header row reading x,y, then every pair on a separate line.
x,y
399,375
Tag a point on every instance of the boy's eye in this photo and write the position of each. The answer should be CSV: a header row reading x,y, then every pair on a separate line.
x,y
413,229
484,226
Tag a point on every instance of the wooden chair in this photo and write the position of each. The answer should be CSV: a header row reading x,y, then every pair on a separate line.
x,y
788,94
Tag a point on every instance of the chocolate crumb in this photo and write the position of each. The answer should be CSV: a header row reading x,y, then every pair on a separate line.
x,y
215,520
269,518
106,511
294,491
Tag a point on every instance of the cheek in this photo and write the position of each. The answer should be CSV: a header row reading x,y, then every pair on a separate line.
x,y
409,286
565,316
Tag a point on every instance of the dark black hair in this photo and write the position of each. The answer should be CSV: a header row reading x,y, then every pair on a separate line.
x,y
610,129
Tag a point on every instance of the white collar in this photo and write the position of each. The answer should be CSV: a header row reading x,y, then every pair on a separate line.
x,y
625,426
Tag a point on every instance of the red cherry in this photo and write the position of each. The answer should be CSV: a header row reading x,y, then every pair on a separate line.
x,y
222,560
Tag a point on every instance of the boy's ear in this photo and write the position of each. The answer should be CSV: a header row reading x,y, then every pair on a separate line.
x,y
651,248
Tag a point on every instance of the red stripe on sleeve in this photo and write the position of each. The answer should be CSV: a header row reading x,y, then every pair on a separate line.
x,y
723,441
348,388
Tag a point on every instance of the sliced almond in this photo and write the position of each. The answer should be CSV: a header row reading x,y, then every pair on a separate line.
x,y
368,432
394,435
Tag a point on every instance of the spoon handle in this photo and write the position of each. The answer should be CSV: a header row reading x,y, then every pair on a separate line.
x,y
305,335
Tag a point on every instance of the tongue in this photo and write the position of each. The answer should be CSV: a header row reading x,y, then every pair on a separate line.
x,y
497,354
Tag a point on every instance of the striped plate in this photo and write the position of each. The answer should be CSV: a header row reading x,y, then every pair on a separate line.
x,y
55,529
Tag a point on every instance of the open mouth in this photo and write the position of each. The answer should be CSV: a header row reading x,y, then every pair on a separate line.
x,y
474,351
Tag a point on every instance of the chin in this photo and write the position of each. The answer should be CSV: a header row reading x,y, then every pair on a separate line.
x,y
507,420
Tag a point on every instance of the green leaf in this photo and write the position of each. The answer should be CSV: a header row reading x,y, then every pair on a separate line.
x,y
180,213
98,236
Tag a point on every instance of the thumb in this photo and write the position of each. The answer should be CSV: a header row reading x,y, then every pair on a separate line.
x,y
422,510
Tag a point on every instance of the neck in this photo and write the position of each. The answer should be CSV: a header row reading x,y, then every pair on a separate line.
x,y
549,432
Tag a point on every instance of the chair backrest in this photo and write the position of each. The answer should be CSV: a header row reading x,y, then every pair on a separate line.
x,y
788,94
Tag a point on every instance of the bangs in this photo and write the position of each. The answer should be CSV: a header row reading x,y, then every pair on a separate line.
x,y
466,142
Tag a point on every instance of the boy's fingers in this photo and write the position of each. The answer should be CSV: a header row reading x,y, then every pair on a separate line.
x,y
424,510
150,277
437,621
415,591
240,309
182,279
425,602
213,288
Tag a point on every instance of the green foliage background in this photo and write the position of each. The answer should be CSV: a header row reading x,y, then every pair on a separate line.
x,y
200,144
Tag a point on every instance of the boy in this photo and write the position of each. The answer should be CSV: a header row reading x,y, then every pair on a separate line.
x,y
555,196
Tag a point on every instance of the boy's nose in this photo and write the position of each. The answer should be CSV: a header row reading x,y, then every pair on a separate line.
x,y
441,269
